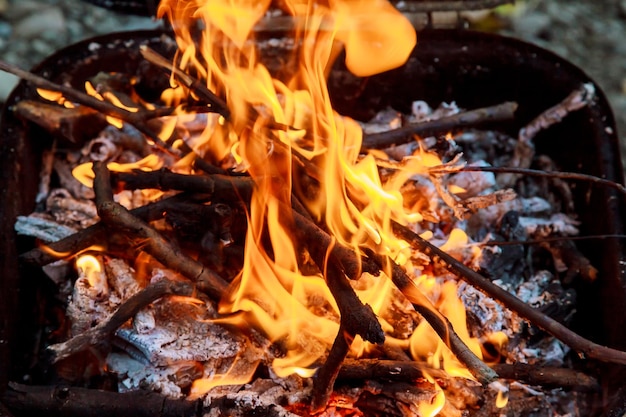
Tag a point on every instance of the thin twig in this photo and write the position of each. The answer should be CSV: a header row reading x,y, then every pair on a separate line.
x,y
525,148
459,121
217,104
575,176
151,240
137,119
96,234
376,369
553,327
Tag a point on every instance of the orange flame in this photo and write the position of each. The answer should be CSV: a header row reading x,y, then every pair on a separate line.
x,y
350,199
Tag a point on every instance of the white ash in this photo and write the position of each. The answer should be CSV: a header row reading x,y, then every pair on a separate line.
x,y
42,227
422,112
557,223
93,304
474,183
490,317
170,380
174,331
490,216
89,304
383,121
71,211
259,396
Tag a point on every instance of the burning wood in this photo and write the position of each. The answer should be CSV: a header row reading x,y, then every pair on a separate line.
x,y
300,245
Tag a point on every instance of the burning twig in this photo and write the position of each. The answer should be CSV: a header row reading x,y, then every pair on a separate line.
x,y
221,186
97,233
191,83
365,369
499,113
556,329
442,326
344,256
151,240
349,263
101,333
324,380
525,149
137,119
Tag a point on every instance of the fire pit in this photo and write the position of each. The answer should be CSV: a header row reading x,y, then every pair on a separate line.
x,y
474,70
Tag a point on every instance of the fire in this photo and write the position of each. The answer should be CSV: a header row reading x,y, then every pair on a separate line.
x,y
354,203
279,130
90,267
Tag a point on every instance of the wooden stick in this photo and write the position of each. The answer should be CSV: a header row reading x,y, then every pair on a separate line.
x,y
576,342
525,148
574,176
376,369
151,240
79,402
101,333
221,186
321,242
459,121
77,125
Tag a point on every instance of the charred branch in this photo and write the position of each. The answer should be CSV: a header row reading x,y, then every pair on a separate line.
x,y
195,85
138,119
378,369
83,402
574,176
77,125
472,118
551,326
220,186
324,380
524,148
319,242
99,233
150,240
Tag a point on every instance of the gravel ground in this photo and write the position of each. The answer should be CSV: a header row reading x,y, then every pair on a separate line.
x,y
589,33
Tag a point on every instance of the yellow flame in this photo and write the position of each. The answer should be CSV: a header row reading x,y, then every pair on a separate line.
x,y
90,267
50,95
502,398
432,408
84,172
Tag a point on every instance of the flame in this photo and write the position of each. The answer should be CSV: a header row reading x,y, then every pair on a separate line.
x,y
432,408
502,396
90,267
84,172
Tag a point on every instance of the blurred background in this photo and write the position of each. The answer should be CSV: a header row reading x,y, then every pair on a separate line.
x,y
589,33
